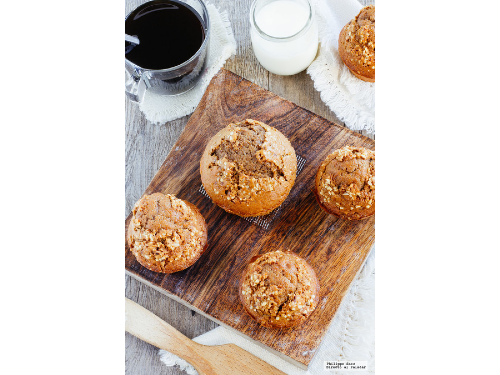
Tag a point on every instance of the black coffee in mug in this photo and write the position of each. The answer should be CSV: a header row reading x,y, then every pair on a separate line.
x,y
170,33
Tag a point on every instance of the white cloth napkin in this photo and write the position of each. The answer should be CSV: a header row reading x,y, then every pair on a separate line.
x,y
160,109
350,337
351,99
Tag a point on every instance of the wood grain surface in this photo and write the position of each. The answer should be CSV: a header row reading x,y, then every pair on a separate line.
x,y
335,248
147,146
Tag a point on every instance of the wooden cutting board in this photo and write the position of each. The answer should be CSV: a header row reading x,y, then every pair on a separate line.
x,y
335,248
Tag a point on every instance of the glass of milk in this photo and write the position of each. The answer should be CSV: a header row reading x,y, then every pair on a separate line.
x,y
284,34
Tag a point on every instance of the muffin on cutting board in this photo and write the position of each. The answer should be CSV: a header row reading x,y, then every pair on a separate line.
x,y
345,183
248,168
166,234
357,44
279,289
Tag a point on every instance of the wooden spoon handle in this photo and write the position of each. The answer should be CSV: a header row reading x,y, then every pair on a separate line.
x,y
148,327
207,360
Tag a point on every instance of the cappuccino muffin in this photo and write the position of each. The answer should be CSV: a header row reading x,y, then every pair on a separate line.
x,y
279,289
248,168
166,234
357,44
345,183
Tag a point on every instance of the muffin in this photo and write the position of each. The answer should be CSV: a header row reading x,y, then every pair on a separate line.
x,y
345,183
357,44
248,168
166,234
279,289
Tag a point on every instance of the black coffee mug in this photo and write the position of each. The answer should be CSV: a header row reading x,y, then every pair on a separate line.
x,y
162,43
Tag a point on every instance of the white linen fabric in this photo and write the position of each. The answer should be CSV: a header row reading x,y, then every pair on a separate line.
x,y
351,99
350,337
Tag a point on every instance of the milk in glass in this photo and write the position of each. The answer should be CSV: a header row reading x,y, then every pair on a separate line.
x,y
284,35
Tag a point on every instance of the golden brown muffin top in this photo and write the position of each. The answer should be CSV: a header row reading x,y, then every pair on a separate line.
x,y
279,289
164,230
360,37
248,164
345,182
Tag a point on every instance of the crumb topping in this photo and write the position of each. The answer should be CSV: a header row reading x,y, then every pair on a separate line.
x,y
280,286
249,160
360,37
347,180
165,230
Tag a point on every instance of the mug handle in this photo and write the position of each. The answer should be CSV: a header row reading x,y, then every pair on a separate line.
x,y
132,78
